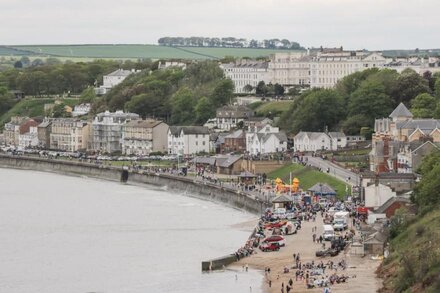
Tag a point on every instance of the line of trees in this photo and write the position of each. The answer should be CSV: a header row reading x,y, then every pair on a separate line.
x,y
229,42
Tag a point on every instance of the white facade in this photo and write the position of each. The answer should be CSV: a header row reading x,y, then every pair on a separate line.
x,y
326,69
291,68
246,72
106,131
377,195
81,109
320,69
265,140
29,139
188,140
112,79
316,141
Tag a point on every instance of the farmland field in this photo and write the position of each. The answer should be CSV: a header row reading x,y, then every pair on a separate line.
x,y
141,51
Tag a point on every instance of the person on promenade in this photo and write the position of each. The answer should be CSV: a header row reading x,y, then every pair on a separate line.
x,y
314,237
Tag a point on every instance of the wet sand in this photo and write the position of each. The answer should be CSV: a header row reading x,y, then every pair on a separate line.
x,y
363,267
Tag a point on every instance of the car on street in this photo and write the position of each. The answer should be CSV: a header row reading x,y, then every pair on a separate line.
x,y
270,246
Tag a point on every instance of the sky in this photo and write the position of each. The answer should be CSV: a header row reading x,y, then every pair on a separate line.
x,y
353,24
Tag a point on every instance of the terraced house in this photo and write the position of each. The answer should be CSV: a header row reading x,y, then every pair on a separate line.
x,y
106,131
69,134
142,137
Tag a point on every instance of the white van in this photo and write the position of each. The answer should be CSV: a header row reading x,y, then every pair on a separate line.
x,y
329,232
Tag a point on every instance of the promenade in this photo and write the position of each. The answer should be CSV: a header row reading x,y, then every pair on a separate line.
x,y
361,270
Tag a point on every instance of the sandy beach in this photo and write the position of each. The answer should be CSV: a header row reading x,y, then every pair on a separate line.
x,y
362,267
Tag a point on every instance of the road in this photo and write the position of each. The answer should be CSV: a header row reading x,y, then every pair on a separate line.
x,y
335,170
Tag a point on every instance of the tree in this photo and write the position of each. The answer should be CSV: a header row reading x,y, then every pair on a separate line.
x,y
183,104
204,110
423,106
88,95
426,192
316,110
261,89
354,124
370,100
18,64
278,89
409,85
248,88
437,87
223,93
6,100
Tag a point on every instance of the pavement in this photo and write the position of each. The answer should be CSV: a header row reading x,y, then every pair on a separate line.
x,y
334,170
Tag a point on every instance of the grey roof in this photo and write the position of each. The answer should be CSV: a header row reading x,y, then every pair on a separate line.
x,y
120,72
143,123
336,134
228,161
282,199
204,160
175,130
401,111
382,209
322,188
236,134
310,135
247,174
425,125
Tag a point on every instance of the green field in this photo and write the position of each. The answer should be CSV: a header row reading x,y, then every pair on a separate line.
x,y
274,107
32,107
309,177
137,51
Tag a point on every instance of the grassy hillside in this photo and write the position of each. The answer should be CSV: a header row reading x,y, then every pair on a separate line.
x,y
414,262
142,51
308,177
273,108
31,107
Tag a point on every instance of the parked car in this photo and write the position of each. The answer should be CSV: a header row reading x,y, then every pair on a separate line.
x,y
276,239
270,246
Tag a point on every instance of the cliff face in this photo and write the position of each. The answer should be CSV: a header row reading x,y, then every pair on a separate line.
x,y
414,261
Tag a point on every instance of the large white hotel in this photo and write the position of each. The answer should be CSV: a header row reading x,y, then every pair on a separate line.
x,y
320,68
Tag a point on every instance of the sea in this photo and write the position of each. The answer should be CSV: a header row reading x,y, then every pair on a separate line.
x,y
76,234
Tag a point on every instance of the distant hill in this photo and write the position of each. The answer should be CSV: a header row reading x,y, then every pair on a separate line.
x,y
138,51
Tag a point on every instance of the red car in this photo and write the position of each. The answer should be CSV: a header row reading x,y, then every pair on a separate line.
x,y
269,246
276,239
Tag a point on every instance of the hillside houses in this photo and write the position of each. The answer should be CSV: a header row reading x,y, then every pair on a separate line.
x,y
265,139
320,141
400,142
188,140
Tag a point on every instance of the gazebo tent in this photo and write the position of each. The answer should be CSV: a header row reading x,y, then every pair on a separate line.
x,y
282,201
322,189
247,177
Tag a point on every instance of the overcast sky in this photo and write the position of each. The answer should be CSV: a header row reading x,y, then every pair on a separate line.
x,y
354,24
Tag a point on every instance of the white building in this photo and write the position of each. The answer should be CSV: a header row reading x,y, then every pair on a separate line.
x,y
82,109
292,68
316,141
265,140
331,65
106,131
29,139
188,140
227,117
246,72
112,79
168,64
323,68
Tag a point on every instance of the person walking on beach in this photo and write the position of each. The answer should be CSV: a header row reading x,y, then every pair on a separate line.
x,y
314,238
247,267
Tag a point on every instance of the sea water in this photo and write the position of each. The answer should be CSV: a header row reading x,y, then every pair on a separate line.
x,y
75,234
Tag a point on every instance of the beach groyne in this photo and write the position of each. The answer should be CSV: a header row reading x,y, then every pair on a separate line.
x,y
186,184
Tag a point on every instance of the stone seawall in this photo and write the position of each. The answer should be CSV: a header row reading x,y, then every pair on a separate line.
x,y
188,185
